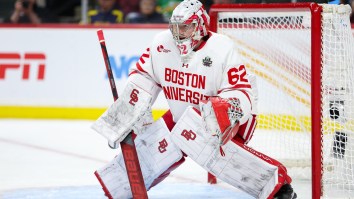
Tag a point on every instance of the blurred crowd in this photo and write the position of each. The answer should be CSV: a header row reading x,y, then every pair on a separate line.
x,y
110,11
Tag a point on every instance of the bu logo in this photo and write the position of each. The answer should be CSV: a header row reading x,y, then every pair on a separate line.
x,y
163,145
134,97
189,135
13,61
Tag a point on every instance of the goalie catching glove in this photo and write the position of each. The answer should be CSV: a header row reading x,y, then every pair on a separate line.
x,y
221,117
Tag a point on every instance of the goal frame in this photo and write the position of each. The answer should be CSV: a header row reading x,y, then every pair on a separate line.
x,y
316,65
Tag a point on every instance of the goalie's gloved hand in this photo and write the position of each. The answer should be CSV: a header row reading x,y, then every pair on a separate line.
x,y
221,117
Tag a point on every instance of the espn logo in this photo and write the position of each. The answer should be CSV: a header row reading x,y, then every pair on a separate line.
x,y
14,61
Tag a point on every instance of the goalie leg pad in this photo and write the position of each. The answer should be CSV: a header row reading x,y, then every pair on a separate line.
x,y
166,173
242,167
156,153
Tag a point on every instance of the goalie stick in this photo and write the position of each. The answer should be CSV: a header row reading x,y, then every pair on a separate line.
x,y
130,155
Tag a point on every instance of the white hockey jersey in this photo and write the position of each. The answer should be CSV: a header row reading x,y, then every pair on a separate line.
x,y
214,68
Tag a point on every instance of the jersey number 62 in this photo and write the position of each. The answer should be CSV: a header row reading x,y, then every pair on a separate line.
x,y
237,74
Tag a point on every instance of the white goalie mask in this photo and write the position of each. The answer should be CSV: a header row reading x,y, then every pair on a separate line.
x,y
189,23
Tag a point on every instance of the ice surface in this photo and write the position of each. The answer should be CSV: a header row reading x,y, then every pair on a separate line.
x,y
52,159
162,191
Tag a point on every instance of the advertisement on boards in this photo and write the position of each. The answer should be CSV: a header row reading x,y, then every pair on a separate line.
x,y
64,67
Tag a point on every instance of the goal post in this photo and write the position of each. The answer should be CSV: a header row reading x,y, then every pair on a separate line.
x,y
303,57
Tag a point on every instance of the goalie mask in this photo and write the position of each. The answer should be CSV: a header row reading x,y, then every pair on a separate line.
x,y
189,23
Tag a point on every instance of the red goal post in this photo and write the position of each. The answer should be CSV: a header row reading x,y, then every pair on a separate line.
x,y
292,42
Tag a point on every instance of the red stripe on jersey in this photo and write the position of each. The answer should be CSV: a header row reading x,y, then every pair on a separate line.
x,y
242,86
133,72
140,68
238,86
142,58
145,55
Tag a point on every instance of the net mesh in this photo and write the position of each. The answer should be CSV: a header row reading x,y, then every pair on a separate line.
x,y
337,101
275,45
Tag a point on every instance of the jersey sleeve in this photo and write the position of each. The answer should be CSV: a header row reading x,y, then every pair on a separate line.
x,y
237,81
143,67
235,74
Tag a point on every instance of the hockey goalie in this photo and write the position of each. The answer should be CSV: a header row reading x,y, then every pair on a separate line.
x,y
212,116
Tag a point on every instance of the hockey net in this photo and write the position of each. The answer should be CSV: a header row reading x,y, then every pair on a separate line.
x,y
303,56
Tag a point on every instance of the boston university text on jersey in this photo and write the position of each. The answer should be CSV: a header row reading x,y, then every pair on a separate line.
x,y
186,80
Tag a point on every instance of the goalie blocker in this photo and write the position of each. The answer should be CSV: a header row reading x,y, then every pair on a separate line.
x,y
130,112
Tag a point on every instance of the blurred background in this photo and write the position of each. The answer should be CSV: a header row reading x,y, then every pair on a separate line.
x,y
107,11
49,49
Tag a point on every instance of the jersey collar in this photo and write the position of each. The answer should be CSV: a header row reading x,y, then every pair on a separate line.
x,y
203,41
